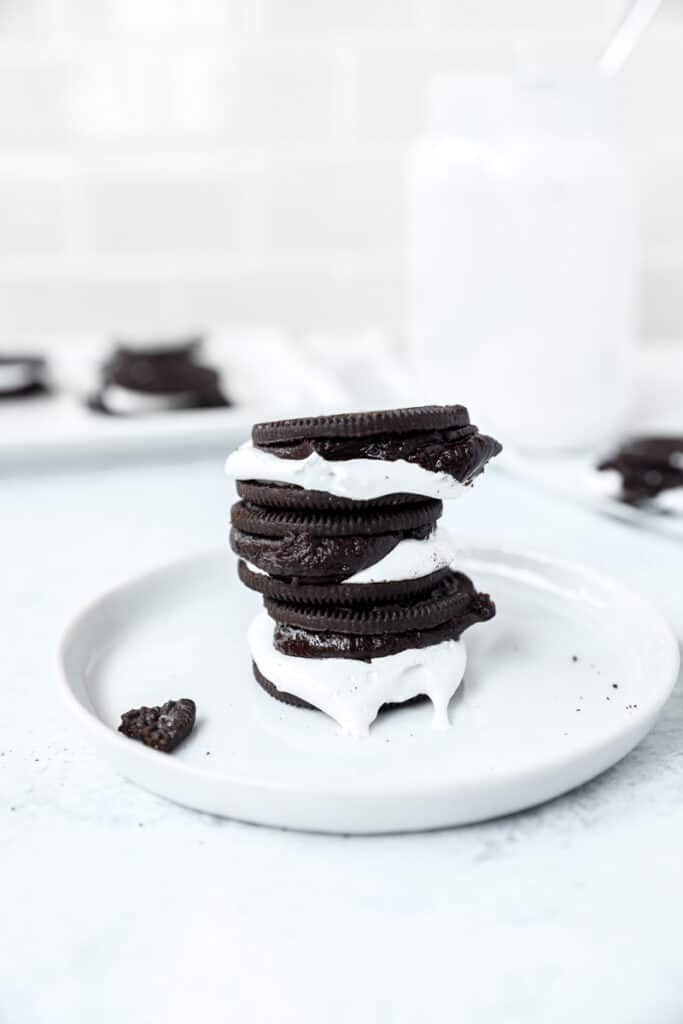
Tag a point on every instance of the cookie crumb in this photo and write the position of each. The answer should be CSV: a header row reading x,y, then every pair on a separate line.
x,y
615,686
161,728
575,657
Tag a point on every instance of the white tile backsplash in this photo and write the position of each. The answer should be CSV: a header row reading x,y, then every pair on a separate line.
x,y
34,103
152,214
283,97
334,208
306,16
33,216
245,159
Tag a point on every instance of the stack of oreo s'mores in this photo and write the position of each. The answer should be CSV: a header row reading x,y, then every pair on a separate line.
x,y
337,527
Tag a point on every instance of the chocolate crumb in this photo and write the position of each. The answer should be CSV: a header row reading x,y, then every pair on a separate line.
x,y
615,686
575,657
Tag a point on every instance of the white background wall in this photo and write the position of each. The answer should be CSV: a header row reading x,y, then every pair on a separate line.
x,y
166,162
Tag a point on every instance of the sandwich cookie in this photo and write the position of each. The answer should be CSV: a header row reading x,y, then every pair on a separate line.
x,y
350,662
139,381
432,451
325,547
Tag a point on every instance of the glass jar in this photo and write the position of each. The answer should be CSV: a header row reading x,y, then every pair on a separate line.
x,y
525,267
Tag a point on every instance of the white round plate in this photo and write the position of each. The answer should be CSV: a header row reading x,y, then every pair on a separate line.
x,y
567,678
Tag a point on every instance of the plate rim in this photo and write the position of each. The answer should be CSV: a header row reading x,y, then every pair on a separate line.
x,y
145,756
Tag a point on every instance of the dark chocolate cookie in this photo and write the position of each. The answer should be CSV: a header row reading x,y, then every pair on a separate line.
x,y
648,466
284,496
161,728
306,643
361,424
440,439
450,597
303,558
268,522
330,593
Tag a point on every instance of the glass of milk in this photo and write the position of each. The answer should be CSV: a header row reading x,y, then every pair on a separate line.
x,y
525,256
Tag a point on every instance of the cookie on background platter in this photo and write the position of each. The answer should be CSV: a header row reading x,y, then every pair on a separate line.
x,y
648,466
157,377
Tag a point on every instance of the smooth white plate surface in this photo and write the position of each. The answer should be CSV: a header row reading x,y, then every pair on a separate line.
x,y
528,724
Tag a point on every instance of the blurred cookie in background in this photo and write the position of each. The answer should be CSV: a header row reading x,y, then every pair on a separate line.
x,y
142,378
23,376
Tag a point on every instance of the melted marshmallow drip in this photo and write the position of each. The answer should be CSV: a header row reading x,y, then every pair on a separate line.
x,y
410,560
358,479
352,692
127,401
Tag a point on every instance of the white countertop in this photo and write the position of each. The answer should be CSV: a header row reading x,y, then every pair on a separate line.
x,y
119,906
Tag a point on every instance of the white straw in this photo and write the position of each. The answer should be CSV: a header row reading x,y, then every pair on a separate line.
x,y
624,40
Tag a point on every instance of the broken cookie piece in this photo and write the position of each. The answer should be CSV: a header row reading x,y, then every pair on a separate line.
x,y
162,728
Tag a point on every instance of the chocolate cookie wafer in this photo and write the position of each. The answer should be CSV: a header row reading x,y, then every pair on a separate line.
x,y
440,439
284,496
443,613
295,592
315,547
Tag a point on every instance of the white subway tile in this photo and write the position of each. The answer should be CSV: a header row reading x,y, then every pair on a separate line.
x,y
496,16
55,305
152,21
392,84
346,207
33,216
169,214
33,106
160,19
122,95
201,95
662,301
299,300
283,97
21,19
289,16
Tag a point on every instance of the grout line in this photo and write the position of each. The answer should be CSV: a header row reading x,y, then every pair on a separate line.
x,y
172,163
130,267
